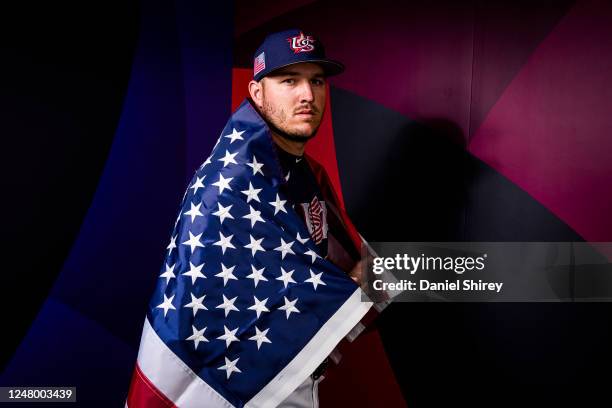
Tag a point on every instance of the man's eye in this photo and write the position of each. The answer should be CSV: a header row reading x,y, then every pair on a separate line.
x,y
317,81
289,80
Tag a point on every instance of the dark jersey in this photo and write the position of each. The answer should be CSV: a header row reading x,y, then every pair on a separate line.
x,y
322,222
305,197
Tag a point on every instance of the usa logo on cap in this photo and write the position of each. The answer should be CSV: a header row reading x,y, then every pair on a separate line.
x,y
301,43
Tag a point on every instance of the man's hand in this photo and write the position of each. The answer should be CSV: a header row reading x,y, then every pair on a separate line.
x,y
362,275
356,273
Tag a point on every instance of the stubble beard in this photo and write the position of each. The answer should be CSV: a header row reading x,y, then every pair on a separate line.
x,y
277,119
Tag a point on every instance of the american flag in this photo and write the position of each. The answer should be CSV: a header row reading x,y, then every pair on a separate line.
x,y
245,309
259,64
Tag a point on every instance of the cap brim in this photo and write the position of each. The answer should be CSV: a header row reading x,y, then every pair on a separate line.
x,y
330,67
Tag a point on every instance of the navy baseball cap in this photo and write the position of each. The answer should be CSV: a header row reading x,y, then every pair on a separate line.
x,y
291,47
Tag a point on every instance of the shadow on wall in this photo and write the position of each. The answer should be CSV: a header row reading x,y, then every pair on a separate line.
x,y
422,180
414,181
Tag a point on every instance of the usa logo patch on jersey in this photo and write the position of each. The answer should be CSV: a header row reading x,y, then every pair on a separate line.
x,y
316,219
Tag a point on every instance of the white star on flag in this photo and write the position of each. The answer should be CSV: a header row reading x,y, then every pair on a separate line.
x,y
224,212
167,304
260,337
252,193
172,244
255,166
223,183
313,255
289,306
228,158
285,248
226,274
194,211
279,205
254,216
299,238
230,367
195,272
196,304
286,277
254,245
259,306
168,273
257,275
228,305
315,279
229,336
194,241
198,183
235,135
197,336
224,242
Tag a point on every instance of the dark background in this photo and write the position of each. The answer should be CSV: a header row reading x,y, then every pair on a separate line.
x,y
471,121
64,76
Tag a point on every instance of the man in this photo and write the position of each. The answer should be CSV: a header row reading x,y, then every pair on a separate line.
x,y
261,277
290,93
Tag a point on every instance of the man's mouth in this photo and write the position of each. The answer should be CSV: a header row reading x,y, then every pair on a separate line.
x,y
305,112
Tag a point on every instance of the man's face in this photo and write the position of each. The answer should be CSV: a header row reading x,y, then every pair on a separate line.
x,y
293,99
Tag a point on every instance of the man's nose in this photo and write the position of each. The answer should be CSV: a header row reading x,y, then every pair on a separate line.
x,y
306,93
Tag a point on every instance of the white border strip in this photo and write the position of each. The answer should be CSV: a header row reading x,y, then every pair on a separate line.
x,y
308,359
172,376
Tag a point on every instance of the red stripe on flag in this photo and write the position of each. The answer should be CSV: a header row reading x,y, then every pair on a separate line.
x,y
143,394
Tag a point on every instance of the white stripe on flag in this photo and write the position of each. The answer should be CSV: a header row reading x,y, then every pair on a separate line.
x,y
173,377
309,358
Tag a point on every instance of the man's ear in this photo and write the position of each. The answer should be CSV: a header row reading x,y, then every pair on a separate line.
x,y
256,92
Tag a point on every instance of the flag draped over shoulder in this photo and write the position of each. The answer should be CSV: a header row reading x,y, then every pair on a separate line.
x,y
244,309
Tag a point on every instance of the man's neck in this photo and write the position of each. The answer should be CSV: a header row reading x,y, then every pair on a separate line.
x,y
290,146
